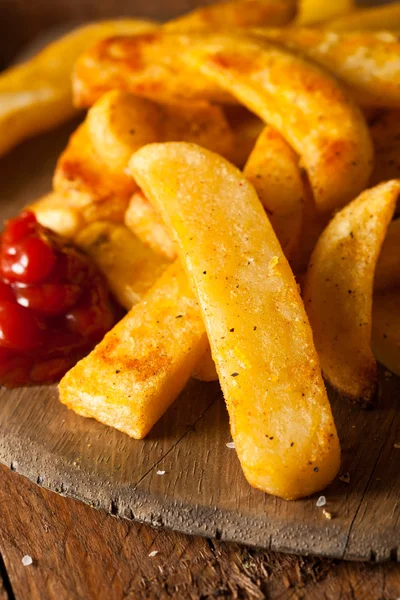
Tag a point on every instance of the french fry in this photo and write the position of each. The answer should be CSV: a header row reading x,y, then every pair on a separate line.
x,y
130,379
338,291
310,12
232,15
129,267
378,18
261,341
36,96
365,62
325,128
53,211
386,329
387,272
145,222
385,132
148,65
273,169
246,129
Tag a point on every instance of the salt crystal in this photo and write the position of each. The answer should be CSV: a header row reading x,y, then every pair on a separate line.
x,y
27,560
397,445
153,553
230,445
160,472
321,501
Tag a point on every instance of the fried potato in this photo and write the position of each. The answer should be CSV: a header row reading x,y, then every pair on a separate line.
x,y
148,65
258,330
130,379
246,129
273,169
385,132
338,291
310,12
378,18
233,15
53,211
387,272
145,222
129,267
386,329
307,106
37,95
366,62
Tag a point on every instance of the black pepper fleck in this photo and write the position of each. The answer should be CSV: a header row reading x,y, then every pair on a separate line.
x,y
234,374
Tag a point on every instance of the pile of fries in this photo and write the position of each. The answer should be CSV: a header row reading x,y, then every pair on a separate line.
x,y
226,157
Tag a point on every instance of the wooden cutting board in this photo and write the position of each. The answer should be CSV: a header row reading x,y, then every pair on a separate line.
x,y
203,490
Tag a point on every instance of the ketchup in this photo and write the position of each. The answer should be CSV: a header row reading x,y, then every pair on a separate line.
x,y
54,304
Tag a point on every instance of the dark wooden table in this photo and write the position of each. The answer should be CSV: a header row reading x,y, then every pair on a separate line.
x,y
80,553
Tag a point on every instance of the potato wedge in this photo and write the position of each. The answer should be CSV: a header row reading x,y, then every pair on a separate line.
x,y
129,267
37,95
258,330
386,329
374,18
326,128
144,221
338,291
385,132
387,272
148,65
365,62
130,379
54,212
310,12
233,15
273,169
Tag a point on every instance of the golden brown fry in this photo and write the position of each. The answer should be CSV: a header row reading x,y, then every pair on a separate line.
x,y
366,62
145,222
130,379
273,169
387,273
385,132
338,291
256,323
54,212
148,65
378,18
37,95
310,12
386,329
309,108
234,14
129,267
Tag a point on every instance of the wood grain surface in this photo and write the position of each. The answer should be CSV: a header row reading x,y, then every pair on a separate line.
x,y
203,491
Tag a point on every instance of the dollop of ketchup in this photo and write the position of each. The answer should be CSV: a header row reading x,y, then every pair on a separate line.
x,y
54,304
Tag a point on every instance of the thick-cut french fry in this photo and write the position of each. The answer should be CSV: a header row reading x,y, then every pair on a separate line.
x,y
317,11
141,366
378,18
387,272
87,184
37,95
338,291
234,14
148,65
54,212
246,128
145,222
307,106
386,329
129,267
385,132
366,62
273,169
261,341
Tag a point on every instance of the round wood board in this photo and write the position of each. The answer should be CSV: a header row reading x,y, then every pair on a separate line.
x,y
203,490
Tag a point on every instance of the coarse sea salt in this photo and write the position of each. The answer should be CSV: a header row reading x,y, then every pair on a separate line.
x,y
27,560
153,553
160,472
321,501
230,445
